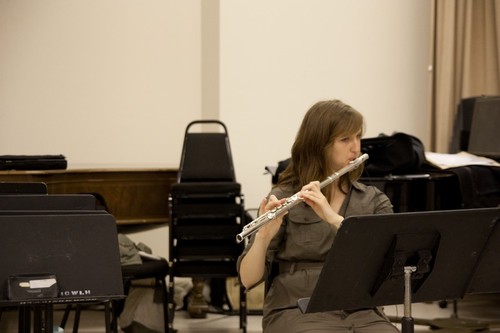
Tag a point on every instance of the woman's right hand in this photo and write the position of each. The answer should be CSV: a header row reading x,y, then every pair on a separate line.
x,y
269,230
253,263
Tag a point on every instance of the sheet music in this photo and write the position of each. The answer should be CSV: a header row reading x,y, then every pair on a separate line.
x,y
446,161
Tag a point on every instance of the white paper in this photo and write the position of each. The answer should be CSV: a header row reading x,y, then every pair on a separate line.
x,y
42,283
445,161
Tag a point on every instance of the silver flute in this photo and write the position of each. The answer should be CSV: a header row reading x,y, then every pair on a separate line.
x,y
292,201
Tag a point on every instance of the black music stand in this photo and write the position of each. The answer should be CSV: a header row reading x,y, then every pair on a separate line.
x,y
392,259
48,202
79,248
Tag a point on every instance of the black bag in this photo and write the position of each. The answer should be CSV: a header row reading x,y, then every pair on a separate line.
x,y
399,153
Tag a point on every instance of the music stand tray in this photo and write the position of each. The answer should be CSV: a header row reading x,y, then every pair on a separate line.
x,y
366,264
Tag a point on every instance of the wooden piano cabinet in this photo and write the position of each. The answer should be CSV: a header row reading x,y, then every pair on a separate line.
x,y
132,196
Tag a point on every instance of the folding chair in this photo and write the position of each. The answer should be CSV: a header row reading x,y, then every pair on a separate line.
x,y
206,209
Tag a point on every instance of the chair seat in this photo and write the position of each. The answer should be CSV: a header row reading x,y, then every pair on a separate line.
x,y
157,269
199,188
205,268
147,269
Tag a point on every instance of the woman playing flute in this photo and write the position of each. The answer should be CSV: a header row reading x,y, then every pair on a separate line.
x,y
288,253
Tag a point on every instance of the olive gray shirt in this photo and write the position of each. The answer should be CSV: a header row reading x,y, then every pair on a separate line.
x,y
305,238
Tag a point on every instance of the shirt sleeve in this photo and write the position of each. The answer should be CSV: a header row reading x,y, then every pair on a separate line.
x,y
273,246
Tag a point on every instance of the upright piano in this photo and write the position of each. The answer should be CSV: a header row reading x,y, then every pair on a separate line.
x,y
132,195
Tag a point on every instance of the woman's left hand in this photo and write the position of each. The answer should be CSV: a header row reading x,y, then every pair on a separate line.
x,y
312,195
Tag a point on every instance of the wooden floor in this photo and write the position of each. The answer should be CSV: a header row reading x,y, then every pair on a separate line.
x,y
475,314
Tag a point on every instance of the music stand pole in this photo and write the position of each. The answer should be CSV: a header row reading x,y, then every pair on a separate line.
x,y
407,324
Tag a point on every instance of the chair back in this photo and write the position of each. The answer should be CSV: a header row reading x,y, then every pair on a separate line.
x,y
206,156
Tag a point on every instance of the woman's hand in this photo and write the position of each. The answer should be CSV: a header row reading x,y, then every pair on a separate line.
x,y
253,264
269,230
312,195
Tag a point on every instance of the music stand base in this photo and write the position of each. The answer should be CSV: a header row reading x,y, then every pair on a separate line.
x,y
464,325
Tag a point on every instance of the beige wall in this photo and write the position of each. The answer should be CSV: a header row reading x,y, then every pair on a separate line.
x,y
100,81
114,83
279,57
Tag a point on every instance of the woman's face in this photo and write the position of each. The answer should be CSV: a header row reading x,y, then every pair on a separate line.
x,y
345,149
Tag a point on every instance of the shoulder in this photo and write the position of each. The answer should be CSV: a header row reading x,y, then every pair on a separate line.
x,y
360,187
370,195
282,191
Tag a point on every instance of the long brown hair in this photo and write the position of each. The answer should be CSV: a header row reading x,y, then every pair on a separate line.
x,y
323,123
